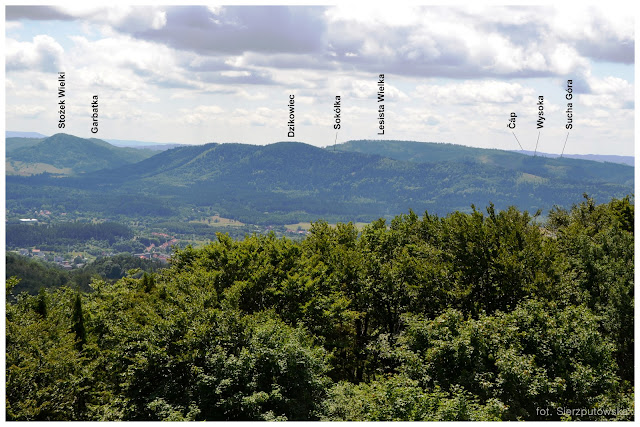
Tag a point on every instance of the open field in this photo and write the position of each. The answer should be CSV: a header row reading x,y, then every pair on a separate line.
x,y
218,221
26,169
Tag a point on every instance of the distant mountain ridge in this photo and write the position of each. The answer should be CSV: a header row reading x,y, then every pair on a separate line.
x,y
288,182
156,146
624,160
161,146
209,161
14,134
428,152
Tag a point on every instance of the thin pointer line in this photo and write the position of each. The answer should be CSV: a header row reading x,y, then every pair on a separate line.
x,y
534,153
518,141
565,144
334,142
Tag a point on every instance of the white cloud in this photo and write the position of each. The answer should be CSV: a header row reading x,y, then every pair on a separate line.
x,y
422,121
608,92
12,25
261,116
441,63
132,68
478,42
28,84
564,59
42,54
361,89
393,93
602,32
610,85
124,112
474,92
599,113
399,16
233,73
25,111
310,119
119,16
201,114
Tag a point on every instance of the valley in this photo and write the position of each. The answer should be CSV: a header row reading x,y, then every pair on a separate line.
x,y
188,194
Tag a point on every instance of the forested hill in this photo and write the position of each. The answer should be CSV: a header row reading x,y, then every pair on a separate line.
x,y
432,152
427,152
290,176
289,181
68,154
292,165
283,165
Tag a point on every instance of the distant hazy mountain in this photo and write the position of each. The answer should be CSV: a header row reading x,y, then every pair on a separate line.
x,y
624,160
66,154
289,181
14,134
13,143
155,146
430,152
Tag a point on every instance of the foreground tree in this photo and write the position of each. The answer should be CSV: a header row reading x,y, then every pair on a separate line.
x,y
467,317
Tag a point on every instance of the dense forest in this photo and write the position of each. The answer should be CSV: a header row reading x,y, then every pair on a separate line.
x,y
66,233
35,274
487,315
290,182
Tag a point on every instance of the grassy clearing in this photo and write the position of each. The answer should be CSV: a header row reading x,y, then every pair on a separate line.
x,y
527,177
218,221
26,169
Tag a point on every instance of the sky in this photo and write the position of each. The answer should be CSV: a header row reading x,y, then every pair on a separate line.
x,y
199,74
